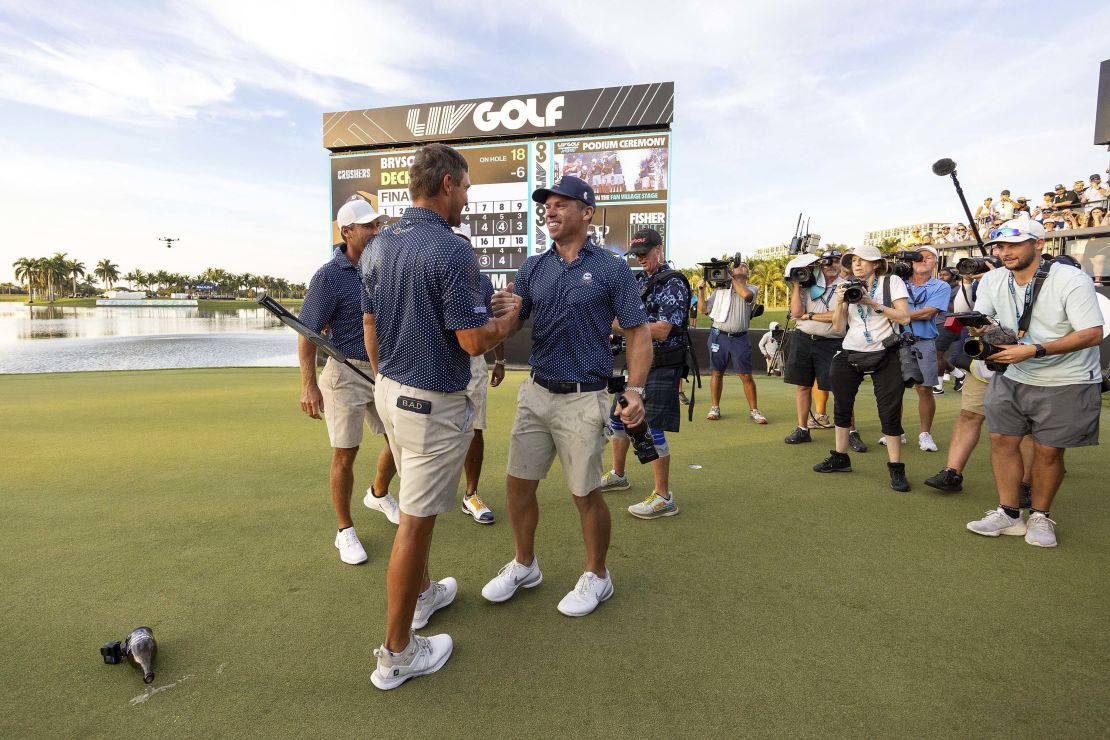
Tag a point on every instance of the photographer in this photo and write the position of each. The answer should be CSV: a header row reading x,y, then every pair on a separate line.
x,y
928,298
1050,384
730,307
665,294
870,304
769,345
809,355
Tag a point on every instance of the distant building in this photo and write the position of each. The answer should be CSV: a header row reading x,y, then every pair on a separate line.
x,y
770,253
901,233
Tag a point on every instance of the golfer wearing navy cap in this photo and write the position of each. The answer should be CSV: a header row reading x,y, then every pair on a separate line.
x,y
575,290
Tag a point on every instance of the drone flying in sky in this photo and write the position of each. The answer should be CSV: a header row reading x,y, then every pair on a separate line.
x,y
169,240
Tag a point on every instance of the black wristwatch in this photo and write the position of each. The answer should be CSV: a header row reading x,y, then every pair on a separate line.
x,y
1041,351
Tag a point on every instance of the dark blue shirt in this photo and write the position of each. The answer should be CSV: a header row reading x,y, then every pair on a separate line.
x,y
668,300
575,305
422,284
334,299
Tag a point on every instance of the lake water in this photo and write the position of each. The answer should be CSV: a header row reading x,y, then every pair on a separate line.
x,y
47,339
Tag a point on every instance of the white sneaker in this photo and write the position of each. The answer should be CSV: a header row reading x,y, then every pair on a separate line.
x,y
925,441
613,482
945,378
714,413
586,594
424,655
1040,530
476,508
438,595
996,522
882,440
350,549
386,505
510,578
757,417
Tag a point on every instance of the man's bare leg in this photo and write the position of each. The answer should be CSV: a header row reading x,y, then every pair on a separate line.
x,y
620,454
385,471
749,390
524,516
472,466
341,481
802,398
407,577
1007,464
594,513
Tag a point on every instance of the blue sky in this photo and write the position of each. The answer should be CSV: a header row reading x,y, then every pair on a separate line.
x,y
121,122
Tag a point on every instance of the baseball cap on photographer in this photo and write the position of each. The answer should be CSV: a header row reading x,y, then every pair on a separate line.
x,y
356,211
568,186
644,241
1016,230
927,248
870,254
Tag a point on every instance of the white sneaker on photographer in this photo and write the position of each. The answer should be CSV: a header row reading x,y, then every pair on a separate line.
x,y
385,504
882,440
926,442
423,655
350,549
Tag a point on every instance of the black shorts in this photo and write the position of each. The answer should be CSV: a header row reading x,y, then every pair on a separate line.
x,y
945,339
661,406
808,358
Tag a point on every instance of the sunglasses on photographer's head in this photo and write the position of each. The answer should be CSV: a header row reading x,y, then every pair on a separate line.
x,y
996,233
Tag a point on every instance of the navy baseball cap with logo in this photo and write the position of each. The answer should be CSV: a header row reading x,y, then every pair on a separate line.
x,y
644,241
569,187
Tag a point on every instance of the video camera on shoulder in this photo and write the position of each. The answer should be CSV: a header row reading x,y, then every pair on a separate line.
x,y
718,272
901,263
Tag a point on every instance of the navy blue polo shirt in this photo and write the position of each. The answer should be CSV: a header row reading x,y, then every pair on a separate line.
x,y
575,305
334,299
422,284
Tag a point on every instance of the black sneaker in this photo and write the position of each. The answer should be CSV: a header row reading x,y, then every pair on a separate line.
x,y
856,442
959,384
1025,496
798,436
947,480
836,462
898,477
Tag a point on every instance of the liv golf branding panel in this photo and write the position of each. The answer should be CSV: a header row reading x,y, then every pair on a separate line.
x,y
617,139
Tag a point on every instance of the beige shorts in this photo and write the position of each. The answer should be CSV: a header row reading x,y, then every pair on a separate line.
x,y
477,390
429,434
348,403
571,425
971,397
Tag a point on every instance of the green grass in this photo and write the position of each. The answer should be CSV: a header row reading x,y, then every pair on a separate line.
x,y
779,603
759,322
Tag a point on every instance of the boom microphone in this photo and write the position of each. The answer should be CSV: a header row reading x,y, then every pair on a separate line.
x,y
944,167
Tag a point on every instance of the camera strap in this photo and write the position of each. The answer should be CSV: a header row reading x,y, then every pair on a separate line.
x,y
1030,296
896,328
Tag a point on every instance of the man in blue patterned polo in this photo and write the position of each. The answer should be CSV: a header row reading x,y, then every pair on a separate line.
x,y
575,289
343,397
425,317
666,296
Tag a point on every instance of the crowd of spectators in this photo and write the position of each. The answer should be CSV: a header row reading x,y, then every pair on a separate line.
x,y
1083,205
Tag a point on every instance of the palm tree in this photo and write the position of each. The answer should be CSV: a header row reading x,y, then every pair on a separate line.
x,y
26,273
107,271
768,275
74,269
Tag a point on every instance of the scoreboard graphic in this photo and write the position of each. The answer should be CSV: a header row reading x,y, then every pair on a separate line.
x,y
518,149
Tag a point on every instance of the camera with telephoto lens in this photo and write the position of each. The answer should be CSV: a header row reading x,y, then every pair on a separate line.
x,y
990,343
977,265
900,263
854,290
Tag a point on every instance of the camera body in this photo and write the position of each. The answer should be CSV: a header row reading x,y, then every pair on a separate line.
x,y
989,344
896,341
957,321
717,273
803,276
854,290
900,263
976,265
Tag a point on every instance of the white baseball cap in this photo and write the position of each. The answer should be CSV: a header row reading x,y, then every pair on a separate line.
x,y
357,211
870,254
1016,230
774,325
927,248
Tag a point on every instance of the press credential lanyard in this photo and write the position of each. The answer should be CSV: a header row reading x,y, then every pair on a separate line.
x,y
864,313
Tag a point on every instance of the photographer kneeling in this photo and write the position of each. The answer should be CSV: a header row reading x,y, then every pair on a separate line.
x,y
870,303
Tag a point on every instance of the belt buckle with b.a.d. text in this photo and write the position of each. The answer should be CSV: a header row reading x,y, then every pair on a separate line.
x,y
415,405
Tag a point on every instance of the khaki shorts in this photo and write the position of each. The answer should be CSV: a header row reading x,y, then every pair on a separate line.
x,y
348,403
429,433
971,397
571,425
477,390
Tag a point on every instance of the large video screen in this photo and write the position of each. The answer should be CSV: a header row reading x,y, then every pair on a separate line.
x,y
629,174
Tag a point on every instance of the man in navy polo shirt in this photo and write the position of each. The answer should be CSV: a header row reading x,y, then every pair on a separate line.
x,y
425,317
343,397
576,289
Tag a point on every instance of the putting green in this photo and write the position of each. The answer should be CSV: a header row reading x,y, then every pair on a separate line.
x,y
779,603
